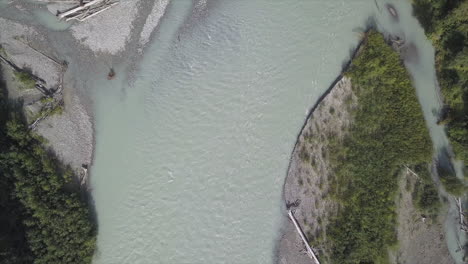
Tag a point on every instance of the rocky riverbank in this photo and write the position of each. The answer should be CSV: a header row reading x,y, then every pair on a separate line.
x,y
307,182
55,111
32,39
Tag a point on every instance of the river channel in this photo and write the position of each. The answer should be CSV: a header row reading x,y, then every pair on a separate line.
x,y
191,156
192,150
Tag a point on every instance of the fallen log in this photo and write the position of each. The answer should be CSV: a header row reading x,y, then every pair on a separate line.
x,y
87,10
411,171
463,224
84,178
93,14
79,8
48,110
91,11
304,239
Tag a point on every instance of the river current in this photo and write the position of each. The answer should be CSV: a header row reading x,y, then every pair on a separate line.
x,y
192,149
191,154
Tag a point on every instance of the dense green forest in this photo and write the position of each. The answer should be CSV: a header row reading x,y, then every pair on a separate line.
x,y
388,132
446,24
43,220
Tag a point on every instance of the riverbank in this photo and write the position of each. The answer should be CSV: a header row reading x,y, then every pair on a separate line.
x,y
60,110
307,184
69,133
45,219
316,186
89,48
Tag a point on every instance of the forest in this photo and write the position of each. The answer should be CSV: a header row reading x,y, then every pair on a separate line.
x,y
44,218
446,25
388,133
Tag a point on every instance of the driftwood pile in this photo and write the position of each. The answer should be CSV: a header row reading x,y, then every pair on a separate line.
x,y
86,9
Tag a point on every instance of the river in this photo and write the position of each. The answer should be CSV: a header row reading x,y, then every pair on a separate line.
x,y
192,147
192,153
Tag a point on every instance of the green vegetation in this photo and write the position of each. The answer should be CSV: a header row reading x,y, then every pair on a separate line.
x,y
47,100
429,12
25,80
43,220
425,195
388,131
48,111
446,24
451,183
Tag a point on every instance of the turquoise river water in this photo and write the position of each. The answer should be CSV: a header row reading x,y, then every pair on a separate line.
x,y
192,152
191,155
192,147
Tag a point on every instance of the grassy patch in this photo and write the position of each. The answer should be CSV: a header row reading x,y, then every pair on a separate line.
x,y
451,183
49,111
2,51
388,131
425,195
25,79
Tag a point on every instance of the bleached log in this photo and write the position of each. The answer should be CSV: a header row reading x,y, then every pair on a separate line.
x,y
79,8
463,225
102,10
90,12
82,14
304,239
35,123
84,179
412,172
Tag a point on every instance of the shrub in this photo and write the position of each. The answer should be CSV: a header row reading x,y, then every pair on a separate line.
x,y
25,79
449,180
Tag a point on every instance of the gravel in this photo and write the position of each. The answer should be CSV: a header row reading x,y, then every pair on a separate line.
x,y
70,134
23,55
307,179
152,20
109,31
112,35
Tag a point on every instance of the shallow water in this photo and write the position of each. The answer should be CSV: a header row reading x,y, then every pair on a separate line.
x,y
50,21
191,156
